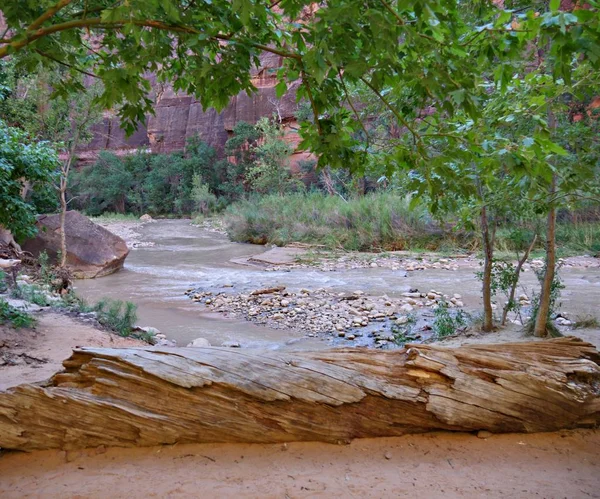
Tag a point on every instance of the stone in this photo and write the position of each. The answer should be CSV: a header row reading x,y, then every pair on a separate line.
x,y
199,343
231,344
146,218
561,321
406,308
92,251
484,434
165,343
147,329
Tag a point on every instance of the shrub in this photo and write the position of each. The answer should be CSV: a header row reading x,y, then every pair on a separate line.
x,y
117,315
14,316
377,221
446,323
205,202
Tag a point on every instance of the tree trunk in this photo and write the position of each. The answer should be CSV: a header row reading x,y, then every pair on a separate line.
x,y
488,260
62,190
515,283
154,396
543,312
63,214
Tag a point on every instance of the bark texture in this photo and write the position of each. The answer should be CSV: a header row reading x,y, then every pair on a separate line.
x,y
142,397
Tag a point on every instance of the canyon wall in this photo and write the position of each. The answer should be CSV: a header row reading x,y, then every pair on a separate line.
x,y
178,117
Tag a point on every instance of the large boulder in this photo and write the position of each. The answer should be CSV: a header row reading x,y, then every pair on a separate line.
x,y
92,251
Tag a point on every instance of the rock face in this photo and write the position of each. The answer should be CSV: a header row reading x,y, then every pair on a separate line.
x,y
92,251
178,117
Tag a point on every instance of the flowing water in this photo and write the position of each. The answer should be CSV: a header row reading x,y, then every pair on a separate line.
x,y
184,256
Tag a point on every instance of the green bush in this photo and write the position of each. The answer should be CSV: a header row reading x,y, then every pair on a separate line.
x,y
31,293
446,323
117,315
14,316
205,202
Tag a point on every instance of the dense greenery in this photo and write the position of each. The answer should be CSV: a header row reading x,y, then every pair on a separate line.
x,y
187,182
23,163
374,222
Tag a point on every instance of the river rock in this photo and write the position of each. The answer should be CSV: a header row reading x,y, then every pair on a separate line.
x,y
146,218
92,251
199,343
147,329
231,344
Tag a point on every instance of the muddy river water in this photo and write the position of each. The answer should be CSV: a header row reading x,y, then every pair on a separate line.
x,y
184,256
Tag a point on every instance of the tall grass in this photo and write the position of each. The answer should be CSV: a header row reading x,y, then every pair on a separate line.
x,y
115,217
379,221
117,315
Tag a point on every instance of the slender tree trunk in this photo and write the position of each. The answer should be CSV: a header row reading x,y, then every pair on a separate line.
x,y
541,321
62,189
63,215
488,255
513,289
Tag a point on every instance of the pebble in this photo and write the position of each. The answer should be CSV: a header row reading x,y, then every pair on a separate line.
x,y
199,343
231,344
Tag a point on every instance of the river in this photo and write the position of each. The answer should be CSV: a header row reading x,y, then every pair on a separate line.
x,y
184,256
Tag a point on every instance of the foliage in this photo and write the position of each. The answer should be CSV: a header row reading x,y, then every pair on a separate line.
x,y
447,323
74,303
31,293
587,322
204,200
270,172
3,283
403,333
117,315
14,316
22,161
373,222
140,183
45,273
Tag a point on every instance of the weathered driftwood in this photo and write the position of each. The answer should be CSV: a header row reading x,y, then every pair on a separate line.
x,y
137,397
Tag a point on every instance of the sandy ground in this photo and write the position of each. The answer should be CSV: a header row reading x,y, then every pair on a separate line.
x,y
30,355
436,465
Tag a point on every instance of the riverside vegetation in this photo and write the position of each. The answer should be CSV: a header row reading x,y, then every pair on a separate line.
x,y
438,102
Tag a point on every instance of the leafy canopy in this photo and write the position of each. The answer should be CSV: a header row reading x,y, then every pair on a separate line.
x,y
410,56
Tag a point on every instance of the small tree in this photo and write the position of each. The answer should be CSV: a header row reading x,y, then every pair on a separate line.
x,y
270,171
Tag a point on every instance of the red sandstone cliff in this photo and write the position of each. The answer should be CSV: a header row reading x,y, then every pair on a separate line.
x,y
178,117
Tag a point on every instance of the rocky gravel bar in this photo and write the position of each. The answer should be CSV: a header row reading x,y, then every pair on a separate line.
x,y
341,317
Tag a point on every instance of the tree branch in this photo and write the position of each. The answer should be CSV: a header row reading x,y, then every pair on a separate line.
x,y
48,14
31,36
66,64
362,125
400,118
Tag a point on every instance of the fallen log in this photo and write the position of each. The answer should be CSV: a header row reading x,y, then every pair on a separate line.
x,y
153,396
